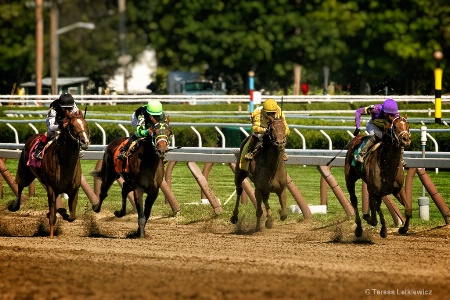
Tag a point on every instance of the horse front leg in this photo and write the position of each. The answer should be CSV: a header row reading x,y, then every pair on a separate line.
x,y
373,204
138,195
259,210
73,200
149,201
238,183
401,197
282,200
123,211
383,230
269,218
51,197
354,200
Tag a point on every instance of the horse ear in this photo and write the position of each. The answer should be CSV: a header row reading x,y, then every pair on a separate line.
x,y
406,116
168,119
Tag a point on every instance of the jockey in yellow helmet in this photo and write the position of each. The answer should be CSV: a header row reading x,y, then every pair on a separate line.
x,y
260,124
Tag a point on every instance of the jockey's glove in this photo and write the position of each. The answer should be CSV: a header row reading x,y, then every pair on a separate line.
x,y
356,132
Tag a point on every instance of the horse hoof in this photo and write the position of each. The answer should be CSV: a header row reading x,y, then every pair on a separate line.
x,y
13,208
269,223
234,219
358,232
383,233
96,207
64,214
402,230
119,213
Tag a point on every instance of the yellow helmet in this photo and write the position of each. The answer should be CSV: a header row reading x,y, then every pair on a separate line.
x,y
270,105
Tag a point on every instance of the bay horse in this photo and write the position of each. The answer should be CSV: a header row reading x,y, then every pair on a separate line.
x,y
383,173
267,170
145,172
60,169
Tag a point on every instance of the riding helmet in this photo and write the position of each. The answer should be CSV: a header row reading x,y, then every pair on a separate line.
x,y
66,101
390,106
270,105
154,108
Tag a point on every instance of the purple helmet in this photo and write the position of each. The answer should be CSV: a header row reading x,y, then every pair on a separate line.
x,y
390,106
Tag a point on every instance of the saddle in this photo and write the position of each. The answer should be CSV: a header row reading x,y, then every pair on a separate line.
x,y
32,161
356,152
243,162
122,166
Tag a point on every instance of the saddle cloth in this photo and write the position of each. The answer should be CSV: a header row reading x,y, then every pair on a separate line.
x,y
357,150
118,163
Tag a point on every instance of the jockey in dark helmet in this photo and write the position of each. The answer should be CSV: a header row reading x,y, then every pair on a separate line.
x,y
54,120
141,120
382,114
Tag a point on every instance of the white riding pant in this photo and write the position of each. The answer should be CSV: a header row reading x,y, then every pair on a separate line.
x,y
373,129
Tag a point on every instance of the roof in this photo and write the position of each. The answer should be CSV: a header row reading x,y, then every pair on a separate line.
x,y
62,81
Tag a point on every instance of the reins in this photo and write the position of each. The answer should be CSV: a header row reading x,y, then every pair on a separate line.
x,y
395,138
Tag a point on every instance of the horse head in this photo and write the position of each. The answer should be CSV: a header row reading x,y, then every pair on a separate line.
x,y
76,128
161,133
399,132
277,132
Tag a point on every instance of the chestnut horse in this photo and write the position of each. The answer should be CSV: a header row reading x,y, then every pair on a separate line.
x,y
60,170
382,172
267,170
145,172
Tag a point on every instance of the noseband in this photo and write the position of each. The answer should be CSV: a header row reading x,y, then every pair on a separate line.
x,y
396,137
160,133
75,137
273,136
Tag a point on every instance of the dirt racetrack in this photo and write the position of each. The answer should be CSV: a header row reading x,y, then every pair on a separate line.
x,y
214,260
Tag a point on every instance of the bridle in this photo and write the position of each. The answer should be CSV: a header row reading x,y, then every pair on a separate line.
x,y
273,136
397,137
160,133
75,137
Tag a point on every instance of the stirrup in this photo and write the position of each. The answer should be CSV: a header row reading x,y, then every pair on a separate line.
x,y
360,159
38,155
249,156
122,156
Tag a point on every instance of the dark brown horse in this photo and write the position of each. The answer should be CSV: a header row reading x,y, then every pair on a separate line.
x,y
60,170
382,172
145,172
267,170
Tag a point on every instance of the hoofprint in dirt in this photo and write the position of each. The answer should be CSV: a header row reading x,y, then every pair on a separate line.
x,y
92,258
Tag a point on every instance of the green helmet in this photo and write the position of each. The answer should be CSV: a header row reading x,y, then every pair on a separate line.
x,y
154,108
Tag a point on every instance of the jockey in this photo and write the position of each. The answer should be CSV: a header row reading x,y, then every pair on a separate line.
x,y
382,115
55,119
141,121
260,124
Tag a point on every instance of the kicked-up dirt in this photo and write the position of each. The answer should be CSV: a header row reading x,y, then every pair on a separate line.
x,y
95,258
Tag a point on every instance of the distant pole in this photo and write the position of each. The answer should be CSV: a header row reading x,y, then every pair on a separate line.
x,y
54,11
251,87
123,49
437,55
39,46
326,74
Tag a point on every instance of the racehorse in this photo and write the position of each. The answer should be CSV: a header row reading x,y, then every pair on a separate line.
x,y
382,172
145,172
60,169
267,170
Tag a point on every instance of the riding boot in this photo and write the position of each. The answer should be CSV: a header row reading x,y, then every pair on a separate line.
x,y
251,148
39,148
369,144
123,152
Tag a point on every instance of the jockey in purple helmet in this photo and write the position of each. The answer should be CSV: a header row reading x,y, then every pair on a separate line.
x,y
382,114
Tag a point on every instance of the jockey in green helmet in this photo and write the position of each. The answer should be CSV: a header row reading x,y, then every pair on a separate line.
x,y
141,121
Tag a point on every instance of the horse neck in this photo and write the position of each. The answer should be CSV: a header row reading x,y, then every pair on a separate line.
x,y
389,154
272,156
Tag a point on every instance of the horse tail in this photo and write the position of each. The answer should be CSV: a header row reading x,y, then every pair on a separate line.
x,y
96,173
